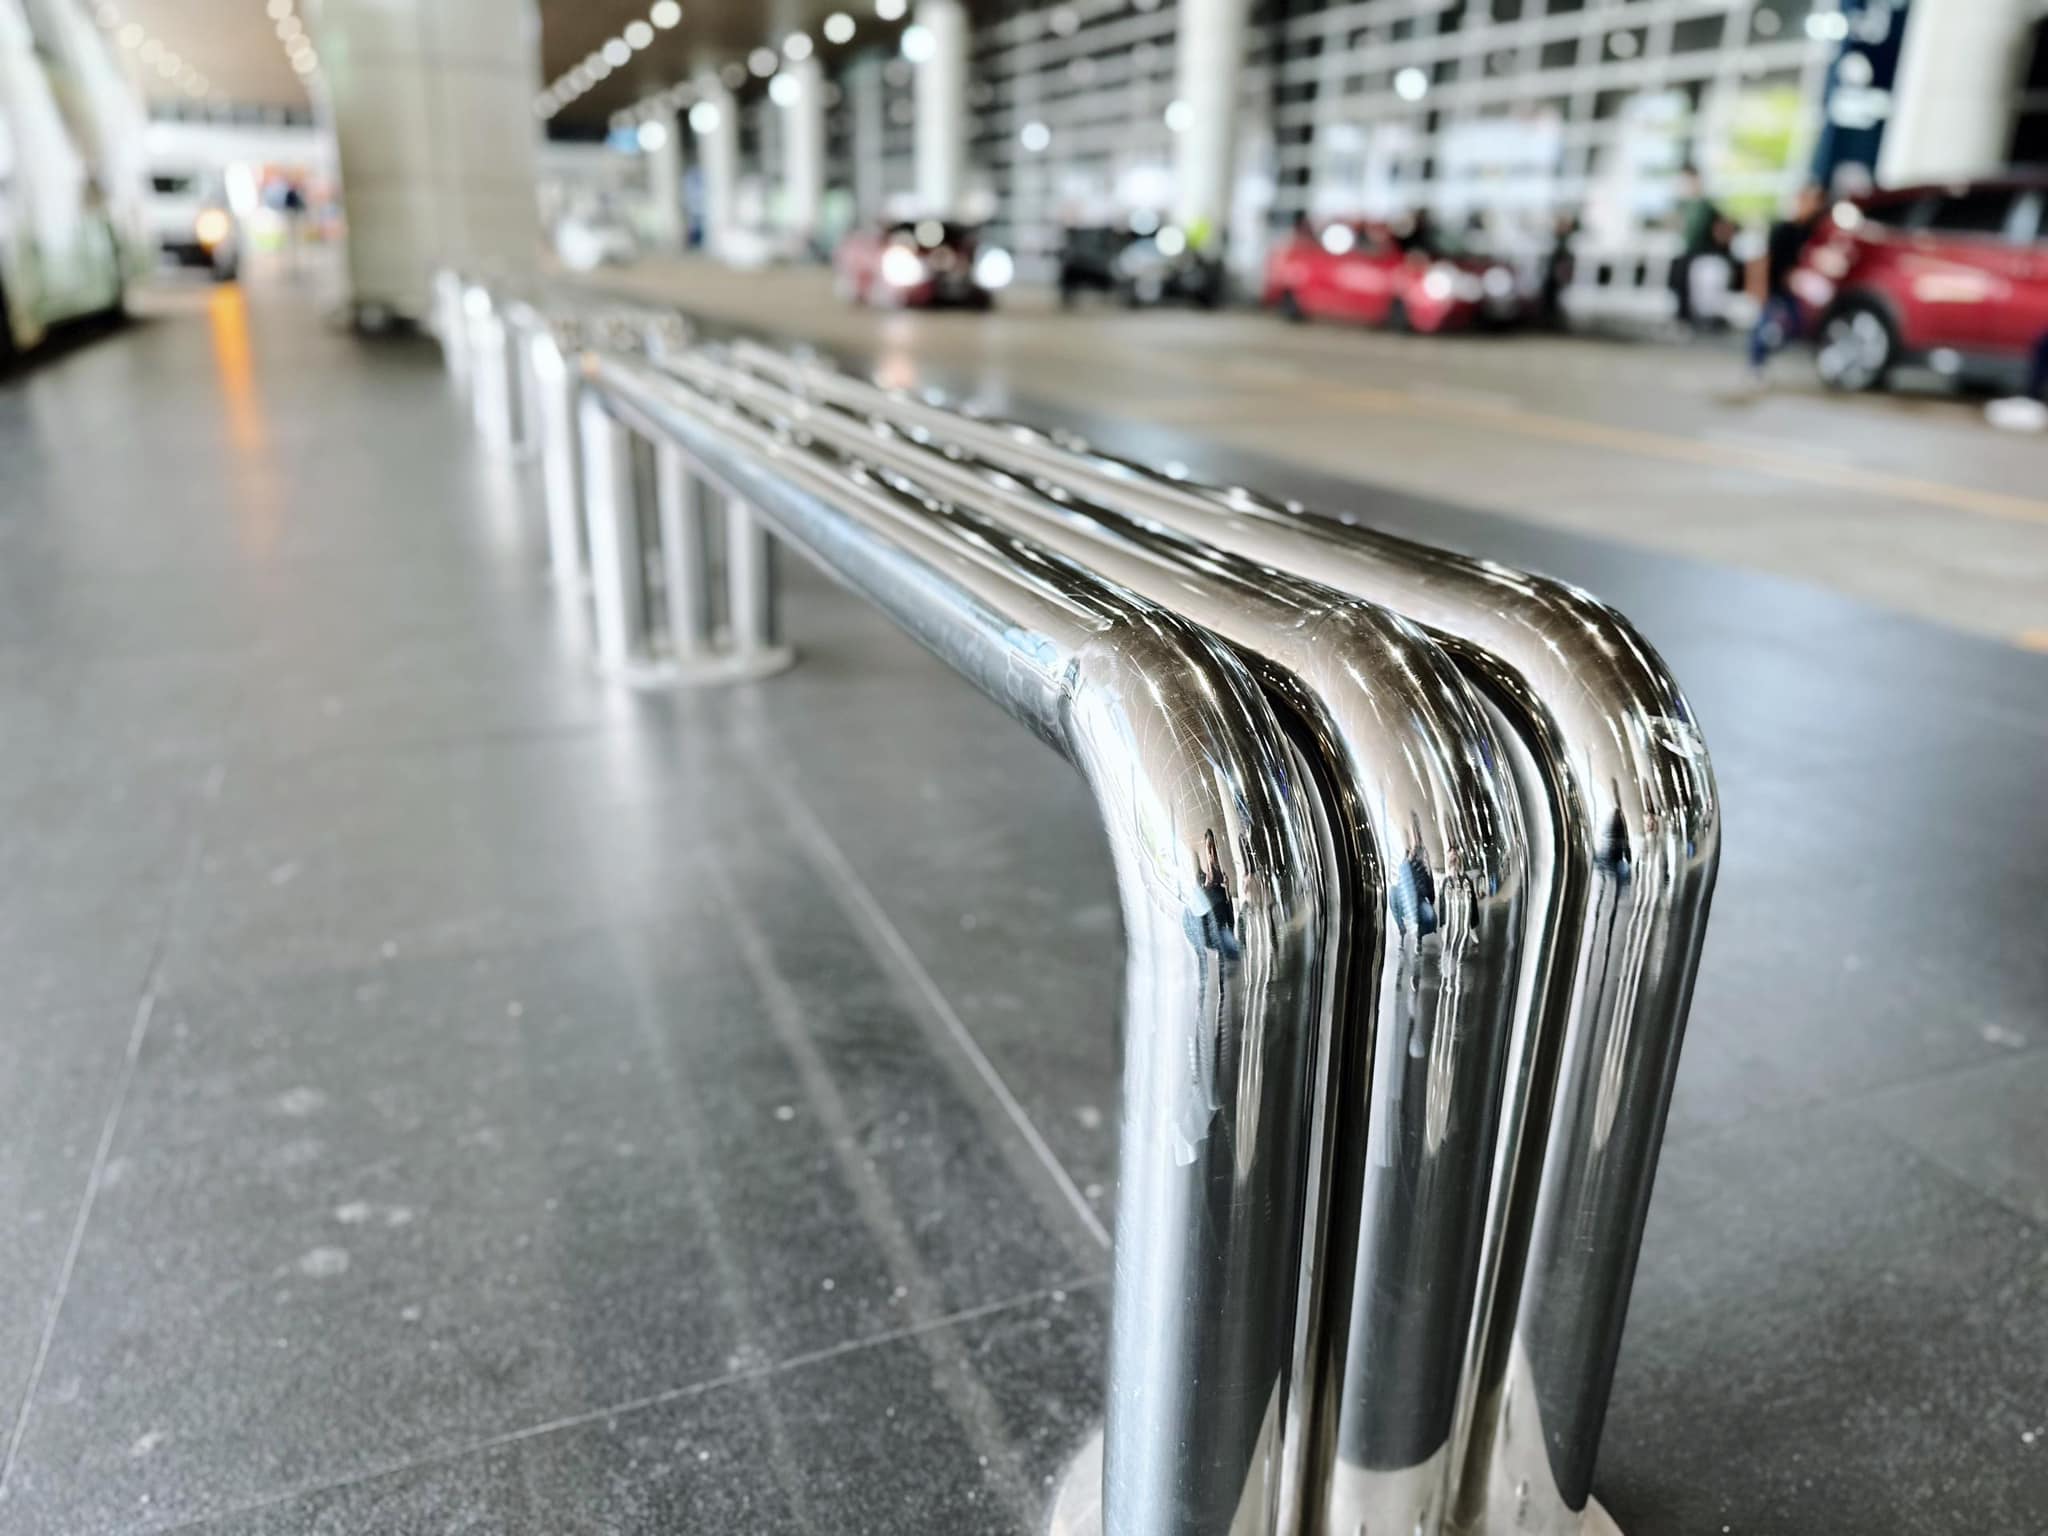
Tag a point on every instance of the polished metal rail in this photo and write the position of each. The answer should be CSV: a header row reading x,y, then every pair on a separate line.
x,y
1196,791
1402,1016
1620,765
1429,824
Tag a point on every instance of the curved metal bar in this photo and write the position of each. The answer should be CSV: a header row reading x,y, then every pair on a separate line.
x,y
1430,825
1184,756
1636,828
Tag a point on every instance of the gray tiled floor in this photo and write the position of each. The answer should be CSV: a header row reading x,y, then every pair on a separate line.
x,y
559,1111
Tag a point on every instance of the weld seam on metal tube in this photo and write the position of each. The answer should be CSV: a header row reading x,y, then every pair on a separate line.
x,y
1179,745
1636,821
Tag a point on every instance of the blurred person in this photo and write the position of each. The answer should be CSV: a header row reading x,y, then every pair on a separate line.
x,y
1699,226
2028,410
1558,266
1770,280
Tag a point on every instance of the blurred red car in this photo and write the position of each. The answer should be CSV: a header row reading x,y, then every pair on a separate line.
x,y
1955,277
920,263
1352,270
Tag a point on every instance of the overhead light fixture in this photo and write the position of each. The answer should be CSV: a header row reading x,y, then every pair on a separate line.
x,y
839,28
763,62
618,53
784,91
1411,84
1035,137
637,35
132,36
289,26
279,9
653,136
891,10
1180,116
796,47
705,117
919,45
665,14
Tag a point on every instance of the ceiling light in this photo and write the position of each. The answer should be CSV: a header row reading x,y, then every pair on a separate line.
x,y
705,117
796,47
602,70
665,14
132,36
839,28
152,50
918,43
890,10
1180,117
784,91
289,27
637,35
762,61
1411,84
734,75
653,136
1034,137
618,53
305,63
279,9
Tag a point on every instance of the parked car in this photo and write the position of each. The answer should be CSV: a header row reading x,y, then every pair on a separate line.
x,y
920,263
1136,264
1353,270
191,222
1953,276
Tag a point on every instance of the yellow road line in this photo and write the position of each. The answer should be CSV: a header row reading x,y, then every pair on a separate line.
x,y
1719,454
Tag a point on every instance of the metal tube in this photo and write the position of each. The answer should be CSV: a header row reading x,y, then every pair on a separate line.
x,y
1182,751
1636,821
490,383
449,328
750,582
561,462
617,590
685,559
1432,834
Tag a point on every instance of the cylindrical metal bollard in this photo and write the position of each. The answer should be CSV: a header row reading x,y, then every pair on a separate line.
x,y
449,327
685,560
749,584
618,597
561,469
490,378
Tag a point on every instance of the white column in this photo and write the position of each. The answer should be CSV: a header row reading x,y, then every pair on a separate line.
x,y
432,103
941,106
803,147
1210,61
665,186
715,120
1952,102
864,104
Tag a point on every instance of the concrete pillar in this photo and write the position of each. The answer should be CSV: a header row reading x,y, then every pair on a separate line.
x,y
432,105
941,106
1952,102
803,147
665,184
1210,61
715,121
865,108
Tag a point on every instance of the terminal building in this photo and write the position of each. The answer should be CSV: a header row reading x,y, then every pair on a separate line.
x,y
994,768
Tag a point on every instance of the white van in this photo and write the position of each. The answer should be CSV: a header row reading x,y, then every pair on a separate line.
x,y
70,172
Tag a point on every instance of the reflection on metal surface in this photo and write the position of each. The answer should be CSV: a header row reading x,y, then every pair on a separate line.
x,y
1430,834
1221,896
1635,821
1414,854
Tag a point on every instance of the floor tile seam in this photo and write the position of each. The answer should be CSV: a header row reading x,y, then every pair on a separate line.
x,y
631,1406
145,1013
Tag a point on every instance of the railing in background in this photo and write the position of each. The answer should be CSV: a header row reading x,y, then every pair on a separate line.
x,y
1426,930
